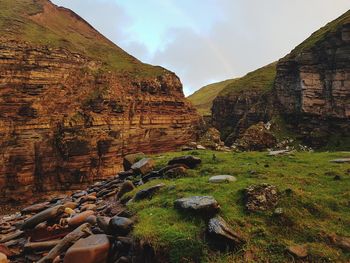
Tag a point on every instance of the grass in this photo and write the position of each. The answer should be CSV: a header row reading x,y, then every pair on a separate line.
x,y
203,98
27,20
315,205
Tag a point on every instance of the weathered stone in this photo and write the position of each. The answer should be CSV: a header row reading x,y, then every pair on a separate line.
x,y
298,251
36,208
120,226
222,236
280,152
148,192
143,166
222,179
92,249
43,216
126,187
3,258
88,207
261,197
131,159
103,223
92,220
126,174
176,172
80,218
190,161
205,205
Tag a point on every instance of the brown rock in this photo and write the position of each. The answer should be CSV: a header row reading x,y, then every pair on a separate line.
x,y
92,249
130,159
80,218
189,161
3,258
143,166
298,251
126,187
341,242
36,208
43,216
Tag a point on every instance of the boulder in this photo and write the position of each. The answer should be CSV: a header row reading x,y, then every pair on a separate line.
x,y
221,235
80,218
92,249
45,215
148,192
130,159
222,179
188,160
205,205
36,208
120,226
298,251
143,166
261,197
103,223
126,174
176,172
126,187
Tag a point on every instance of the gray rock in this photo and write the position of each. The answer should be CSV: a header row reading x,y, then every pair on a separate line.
x,y
188,160
344,160
148,193
222,179
120,226
130,159
205,205
222,236
126,187
103,223
143,166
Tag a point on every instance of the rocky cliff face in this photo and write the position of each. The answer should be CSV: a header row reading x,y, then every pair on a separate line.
x,y
313,84
67,118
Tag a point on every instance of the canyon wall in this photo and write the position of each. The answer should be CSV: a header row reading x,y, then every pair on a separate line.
x,y
67,119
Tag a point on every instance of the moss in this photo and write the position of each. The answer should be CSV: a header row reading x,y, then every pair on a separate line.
x,y
313,203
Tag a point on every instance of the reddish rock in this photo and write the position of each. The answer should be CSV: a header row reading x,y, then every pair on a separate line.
x,y
80,218
143,166
92,249
3,258
298,251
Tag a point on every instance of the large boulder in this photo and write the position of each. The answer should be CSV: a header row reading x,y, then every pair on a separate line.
x,y
261,197
221,235
188,160
204,205
130,159
120,226
144,166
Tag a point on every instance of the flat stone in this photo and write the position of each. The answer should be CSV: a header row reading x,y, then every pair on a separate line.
x,y
222,179
3,258
222,236
205,205
143,166
344,160
45,215
188,160
148,193
36,208
120,226
298,251
177,172
92,249
126,174
280,152
130,159
80,218
126,187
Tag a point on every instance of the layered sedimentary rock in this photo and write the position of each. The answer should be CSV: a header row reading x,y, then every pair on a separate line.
x,y
313,84
67,118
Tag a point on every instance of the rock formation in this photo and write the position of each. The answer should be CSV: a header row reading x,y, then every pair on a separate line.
x,y
72,103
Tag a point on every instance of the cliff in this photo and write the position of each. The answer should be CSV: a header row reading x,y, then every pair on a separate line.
x,y
309,90
72,103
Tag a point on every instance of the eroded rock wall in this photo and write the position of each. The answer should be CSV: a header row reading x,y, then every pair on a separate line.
x,y
64,122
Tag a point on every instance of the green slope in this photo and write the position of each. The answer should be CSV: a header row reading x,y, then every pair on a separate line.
x,y
39,22
203,98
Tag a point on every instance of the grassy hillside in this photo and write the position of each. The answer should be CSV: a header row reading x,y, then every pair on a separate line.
x,y
314,206
203,98
42,23
259,80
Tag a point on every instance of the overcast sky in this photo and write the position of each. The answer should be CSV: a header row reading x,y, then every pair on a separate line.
x,y
204,41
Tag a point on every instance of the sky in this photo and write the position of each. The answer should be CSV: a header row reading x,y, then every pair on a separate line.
x,y
205,41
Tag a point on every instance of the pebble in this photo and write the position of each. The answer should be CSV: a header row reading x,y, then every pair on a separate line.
x,y
3,258
298,251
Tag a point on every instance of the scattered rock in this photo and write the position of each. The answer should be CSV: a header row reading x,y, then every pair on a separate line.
x,y
36,208
341,242
222,179
126,187
120,226
126,174
280,152
148,193
298,251
344,160
130,159
143,166
261,197
222,236
43,216
176,172
92,220
190,161
103,223
205,205
200,147
80,218
89,250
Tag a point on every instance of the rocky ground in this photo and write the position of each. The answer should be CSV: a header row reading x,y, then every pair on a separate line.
x,y
198,206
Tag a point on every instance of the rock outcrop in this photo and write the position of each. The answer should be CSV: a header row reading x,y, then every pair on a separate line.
x,y
68,114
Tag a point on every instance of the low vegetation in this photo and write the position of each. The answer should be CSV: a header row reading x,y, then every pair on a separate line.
x,y
314,198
